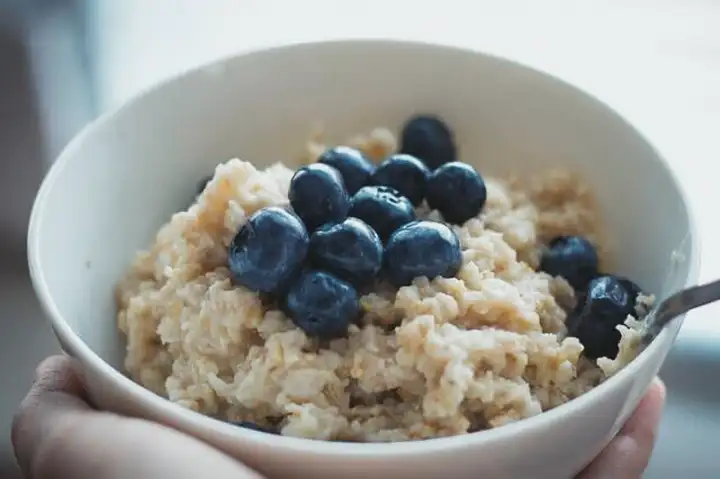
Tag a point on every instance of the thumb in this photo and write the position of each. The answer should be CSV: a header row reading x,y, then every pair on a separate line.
x,y
54,402
627,456
57,434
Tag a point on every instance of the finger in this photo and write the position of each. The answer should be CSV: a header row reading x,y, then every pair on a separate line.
x,y
643,424
627,456
54,398
56,434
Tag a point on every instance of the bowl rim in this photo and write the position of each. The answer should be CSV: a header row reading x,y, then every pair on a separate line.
x,y
159,407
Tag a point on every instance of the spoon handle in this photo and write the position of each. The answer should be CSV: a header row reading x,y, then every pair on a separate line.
x,y
679,304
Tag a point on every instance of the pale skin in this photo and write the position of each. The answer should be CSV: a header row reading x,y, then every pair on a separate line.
x,y
56,433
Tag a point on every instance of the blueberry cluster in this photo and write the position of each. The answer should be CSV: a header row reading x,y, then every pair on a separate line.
x,y
603,301
350,223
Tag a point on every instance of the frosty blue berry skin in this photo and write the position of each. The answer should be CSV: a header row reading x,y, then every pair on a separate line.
x,y
457,191
573,258
355,168
606,304
406,174
269,250
383,208
351,250
318,195
430,139
422,249
322,305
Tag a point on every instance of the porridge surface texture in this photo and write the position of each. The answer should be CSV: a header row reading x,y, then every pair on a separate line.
x,y
439,357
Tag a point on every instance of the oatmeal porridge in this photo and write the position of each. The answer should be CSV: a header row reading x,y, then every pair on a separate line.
x,y
456,314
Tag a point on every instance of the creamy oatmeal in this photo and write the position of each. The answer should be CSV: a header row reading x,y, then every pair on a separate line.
x,y
436,358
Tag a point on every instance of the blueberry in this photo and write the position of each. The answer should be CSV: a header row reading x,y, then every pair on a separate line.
x,y
269,250
406,174
322,305
318,195
457,191
632,288
253,426
351,250
594,320
202,184
383,208
572,257
428,137
422,248
354,167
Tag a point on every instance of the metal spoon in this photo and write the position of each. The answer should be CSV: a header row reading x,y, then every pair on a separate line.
x,y
677,304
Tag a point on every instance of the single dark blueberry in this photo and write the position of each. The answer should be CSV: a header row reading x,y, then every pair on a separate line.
x,y
572,257
318,195
428,138
457,191
269,250
404,173
605,305
350,250
383,208
422,248
202,184
354,167
632,289
322,304
254,427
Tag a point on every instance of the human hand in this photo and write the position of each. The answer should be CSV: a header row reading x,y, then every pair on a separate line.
x,y
57,434
628,454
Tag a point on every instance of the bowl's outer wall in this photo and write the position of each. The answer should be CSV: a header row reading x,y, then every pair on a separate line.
x,y
554,450
123,177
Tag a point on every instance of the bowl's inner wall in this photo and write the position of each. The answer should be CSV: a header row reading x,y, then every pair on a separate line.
x,y
123,179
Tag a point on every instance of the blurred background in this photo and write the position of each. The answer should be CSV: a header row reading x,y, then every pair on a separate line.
x,y
63,62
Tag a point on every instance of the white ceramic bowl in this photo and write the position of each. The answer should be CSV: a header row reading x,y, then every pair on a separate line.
x,y
123,177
